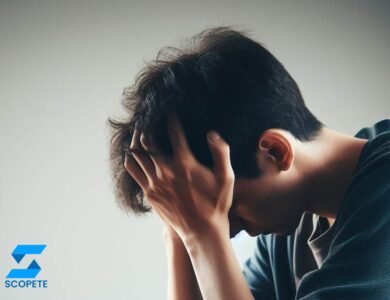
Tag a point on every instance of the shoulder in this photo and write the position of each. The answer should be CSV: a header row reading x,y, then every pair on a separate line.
x,y
356,265
377,150
370,132
371,176
364,216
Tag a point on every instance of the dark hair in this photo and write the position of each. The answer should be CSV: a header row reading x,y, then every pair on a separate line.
x,y
221,80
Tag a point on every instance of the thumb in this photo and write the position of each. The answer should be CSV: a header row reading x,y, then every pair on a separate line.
x,y
220,152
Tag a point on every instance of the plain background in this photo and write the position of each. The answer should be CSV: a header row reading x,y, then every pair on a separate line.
x,y
63,66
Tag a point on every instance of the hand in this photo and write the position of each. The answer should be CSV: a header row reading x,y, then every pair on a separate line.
x,y
188,196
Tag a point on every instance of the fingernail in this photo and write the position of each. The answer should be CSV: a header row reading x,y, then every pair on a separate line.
x,y
213,136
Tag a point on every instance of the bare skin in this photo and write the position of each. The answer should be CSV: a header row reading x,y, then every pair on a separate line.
x,y
182,283
298,177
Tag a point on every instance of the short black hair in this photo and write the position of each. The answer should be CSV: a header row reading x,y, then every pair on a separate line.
x,y
221,80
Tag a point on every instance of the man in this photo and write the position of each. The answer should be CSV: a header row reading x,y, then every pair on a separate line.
x,y
219,140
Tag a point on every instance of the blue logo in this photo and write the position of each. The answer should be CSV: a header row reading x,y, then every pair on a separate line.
x,y
32,270
18,254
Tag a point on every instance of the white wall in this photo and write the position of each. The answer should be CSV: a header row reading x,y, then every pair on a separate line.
x,y
63,65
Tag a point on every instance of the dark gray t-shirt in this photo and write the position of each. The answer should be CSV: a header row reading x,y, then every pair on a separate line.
x,y
348,260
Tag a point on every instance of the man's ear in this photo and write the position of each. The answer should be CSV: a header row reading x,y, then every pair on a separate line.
x,y
277,145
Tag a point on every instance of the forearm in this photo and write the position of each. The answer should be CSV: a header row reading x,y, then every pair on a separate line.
x,y
182,283
217,270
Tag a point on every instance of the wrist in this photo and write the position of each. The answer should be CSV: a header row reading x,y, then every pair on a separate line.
x,y
170,235
218,233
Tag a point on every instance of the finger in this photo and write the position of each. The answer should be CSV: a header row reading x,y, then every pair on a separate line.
x,y
142,159
178,140
135,171
220,152
154,155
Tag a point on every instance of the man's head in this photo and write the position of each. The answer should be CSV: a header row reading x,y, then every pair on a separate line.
x,y
224,81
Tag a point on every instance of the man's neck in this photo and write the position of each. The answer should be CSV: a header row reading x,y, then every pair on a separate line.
x,y
329,163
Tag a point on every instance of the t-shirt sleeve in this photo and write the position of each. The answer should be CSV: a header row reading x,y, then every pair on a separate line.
x,y
358,261
257,272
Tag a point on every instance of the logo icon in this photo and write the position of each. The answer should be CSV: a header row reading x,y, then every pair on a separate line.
x,y
33,269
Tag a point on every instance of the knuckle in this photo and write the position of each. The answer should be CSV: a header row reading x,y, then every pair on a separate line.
x,y
175,181
168,177
144,141
148,192
229,177
153,186
184,159
126,164
186,173
156,187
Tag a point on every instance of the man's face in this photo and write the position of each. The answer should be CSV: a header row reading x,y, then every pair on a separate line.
x,y
262,207
272,203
